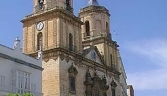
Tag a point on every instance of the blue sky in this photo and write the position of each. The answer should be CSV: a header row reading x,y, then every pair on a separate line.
x,y
141,26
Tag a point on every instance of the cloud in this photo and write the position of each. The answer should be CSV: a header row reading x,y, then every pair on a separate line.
x,y
152,80
156,52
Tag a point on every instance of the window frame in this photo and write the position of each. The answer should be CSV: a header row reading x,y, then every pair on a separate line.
x,y
21,81
87,28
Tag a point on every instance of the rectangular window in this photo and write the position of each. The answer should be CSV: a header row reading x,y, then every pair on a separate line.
x,y
21,81
111,59
2,81
113,92
33,87
72,84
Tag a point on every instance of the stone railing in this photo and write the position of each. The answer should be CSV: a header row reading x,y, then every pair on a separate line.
x,y
92,35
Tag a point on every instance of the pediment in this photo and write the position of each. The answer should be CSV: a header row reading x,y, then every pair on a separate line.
x,y
93,54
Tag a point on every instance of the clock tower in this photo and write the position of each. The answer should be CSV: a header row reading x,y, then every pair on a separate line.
x,y
53,28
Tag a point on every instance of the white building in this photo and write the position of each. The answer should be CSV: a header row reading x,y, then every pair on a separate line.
x,y
19,73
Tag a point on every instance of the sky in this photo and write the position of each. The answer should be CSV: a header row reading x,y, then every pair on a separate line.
x,y
138,26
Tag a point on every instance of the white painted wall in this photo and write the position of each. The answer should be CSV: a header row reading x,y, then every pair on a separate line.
x,y
6,67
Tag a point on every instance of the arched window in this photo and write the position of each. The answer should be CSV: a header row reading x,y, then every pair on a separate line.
x,y
39,41
70,42
72,76
98,27
113,92
87,28
113,88
107,27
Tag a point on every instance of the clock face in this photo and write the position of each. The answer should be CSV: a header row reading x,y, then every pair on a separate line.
x,y
40,26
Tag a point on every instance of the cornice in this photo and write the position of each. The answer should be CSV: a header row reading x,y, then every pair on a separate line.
x,y
20,61
59,12
78,59
96,9
101,40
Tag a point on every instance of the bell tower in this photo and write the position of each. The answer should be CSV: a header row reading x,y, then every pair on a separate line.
x,y
96,31
48,4
53,28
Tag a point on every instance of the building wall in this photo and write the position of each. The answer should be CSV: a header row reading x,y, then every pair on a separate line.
x,y
7,66
51,78
80,78
130,90
12,60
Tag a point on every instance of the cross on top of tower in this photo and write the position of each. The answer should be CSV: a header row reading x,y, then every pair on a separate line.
x,y
93,2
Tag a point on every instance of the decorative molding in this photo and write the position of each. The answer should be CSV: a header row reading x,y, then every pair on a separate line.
x,y
20,61
62,56
95,85
61,13
67,59
78,59
113,84
72,71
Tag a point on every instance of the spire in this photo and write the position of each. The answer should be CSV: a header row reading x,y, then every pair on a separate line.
x,y
93,3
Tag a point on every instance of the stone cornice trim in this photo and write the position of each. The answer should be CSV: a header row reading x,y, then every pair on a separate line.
x,y
53,10
91,9
103,40
61,52
21,62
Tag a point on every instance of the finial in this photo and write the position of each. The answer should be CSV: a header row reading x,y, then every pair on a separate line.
x,y
17,44
93,3
39,54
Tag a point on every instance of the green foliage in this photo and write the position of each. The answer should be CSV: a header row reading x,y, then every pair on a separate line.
x,y
27,94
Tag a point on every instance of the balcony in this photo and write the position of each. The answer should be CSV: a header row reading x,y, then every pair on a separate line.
x,y
10,89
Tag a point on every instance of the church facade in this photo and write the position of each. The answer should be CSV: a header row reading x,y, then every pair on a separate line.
x,y
79,56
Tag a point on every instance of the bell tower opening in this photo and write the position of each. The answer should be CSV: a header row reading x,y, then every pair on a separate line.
x,y
71,42
107,27
87,28
40,5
